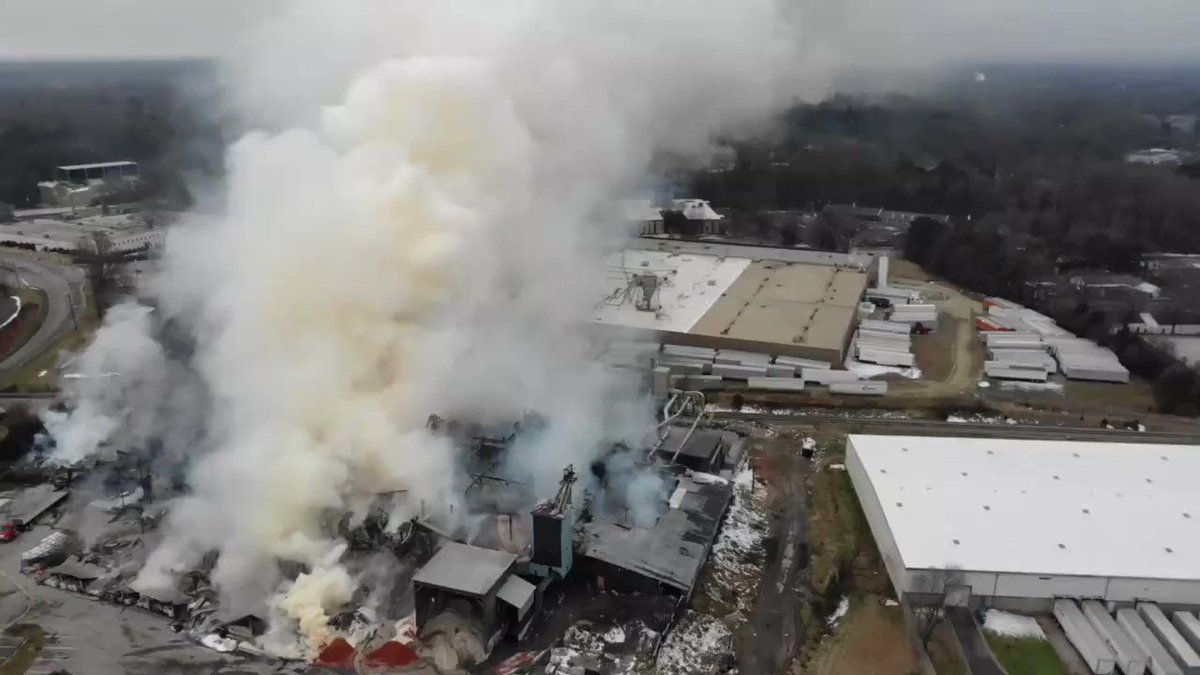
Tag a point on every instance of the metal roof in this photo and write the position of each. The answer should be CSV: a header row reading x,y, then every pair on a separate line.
x,y
518,593
702,444
97,165
1034,506
470,570
77,569
673,551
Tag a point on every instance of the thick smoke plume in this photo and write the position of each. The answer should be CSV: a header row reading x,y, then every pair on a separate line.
x,y
428,237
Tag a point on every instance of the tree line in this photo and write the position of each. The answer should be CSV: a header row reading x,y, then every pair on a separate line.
x,y
1035,187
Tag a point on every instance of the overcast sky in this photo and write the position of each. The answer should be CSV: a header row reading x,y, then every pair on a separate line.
x,y
892,31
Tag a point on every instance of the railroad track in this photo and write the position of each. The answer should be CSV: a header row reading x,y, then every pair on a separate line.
x,y
969,429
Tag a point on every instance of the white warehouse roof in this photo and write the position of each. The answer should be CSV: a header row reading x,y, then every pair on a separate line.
x,y
1036,507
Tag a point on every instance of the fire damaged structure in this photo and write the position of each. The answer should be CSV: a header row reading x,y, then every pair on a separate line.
x,y
463,579
479,585
666,557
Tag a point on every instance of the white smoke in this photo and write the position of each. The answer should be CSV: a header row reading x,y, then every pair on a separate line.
x,y
433,243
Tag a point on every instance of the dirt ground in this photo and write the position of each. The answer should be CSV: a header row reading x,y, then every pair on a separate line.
x,y
776,621
936,352
952,358
944,653
870,640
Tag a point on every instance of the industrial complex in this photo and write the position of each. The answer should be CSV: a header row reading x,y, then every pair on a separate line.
x,y
771,301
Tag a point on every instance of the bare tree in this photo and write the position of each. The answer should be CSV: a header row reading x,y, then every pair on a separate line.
x,y
930,616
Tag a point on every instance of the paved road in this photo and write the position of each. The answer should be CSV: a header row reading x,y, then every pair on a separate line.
x,y
57,282
941,428
979,656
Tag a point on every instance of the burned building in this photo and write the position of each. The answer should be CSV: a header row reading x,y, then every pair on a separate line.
x,y
667,556
480,586
703,450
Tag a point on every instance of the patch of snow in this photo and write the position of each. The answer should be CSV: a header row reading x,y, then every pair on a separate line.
x,y
707,478
997,622
697,645
737,558
217,643
1031,386
838,612
615,635
837,467
984,384
979,418
868,370
809,443
890,603
1141,427
42,373
15,313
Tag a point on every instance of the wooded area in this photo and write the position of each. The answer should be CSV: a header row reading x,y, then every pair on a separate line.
x,y
1034,179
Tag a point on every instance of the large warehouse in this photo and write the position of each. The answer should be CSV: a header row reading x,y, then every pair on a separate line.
x,y
753,301
1017,523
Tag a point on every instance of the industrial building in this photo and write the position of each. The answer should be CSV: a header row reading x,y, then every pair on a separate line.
x,y
1018,523
668,555
114,233
478,582
746,298
79,185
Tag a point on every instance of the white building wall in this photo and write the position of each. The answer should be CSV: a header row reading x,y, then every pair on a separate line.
x,y
1165,591
1034,591
1049,586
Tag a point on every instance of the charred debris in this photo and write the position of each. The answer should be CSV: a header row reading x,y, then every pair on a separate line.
x,y
451,589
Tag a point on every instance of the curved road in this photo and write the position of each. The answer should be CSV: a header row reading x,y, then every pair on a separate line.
x,y
56,281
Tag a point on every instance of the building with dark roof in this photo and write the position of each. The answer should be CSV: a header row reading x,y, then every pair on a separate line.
x,y
666,557
704,450
479,582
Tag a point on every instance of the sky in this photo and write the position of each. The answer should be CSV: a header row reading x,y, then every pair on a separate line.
x,y
857,31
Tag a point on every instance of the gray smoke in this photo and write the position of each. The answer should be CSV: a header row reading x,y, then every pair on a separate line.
x,y
423,238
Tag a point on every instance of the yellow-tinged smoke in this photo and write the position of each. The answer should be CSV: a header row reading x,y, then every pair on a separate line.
x,y
432,244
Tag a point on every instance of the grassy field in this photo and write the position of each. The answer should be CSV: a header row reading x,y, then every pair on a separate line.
x,y
32,638
1026,656
1132,398
33,312
870,640
837,527
29,379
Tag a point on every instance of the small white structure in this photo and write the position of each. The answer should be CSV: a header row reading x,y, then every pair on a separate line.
x,y
1021,522
647,217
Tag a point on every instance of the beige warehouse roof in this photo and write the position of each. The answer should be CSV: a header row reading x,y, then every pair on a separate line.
x,y
787,303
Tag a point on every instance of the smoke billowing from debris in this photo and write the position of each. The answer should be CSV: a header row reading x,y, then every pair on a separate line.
x,y
433,242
